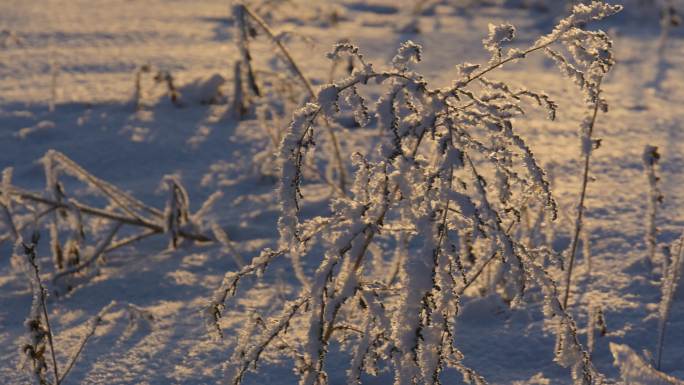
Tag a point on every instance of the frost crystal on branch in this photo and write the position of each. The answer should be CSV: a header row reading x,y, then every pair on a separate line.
x,y
498,34
408,52
292,149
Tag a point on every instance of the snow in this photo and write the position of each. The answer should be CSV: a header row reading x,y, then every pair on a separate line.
x,y
81,57
634,370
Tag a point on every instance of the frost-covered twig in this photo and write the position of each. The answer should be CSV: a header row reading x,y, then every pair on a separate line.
x,y
177,210
89,210
56,161
239,12
655,198
122,210
99,250
22,226
39,329
251,355
264,26
222,237
586,154
229,286
672,275
38,323
231,279
132,211
91,328
593,60
569,351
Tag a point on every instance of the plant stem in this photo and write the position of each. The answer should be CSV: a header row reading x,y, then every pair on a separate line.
x,y
96,254
670,279
305,81
94,323
140,222
580,206
31,255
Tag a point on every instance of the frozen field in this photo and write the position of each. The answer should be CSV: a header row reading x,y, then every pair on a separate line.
x,y
67,82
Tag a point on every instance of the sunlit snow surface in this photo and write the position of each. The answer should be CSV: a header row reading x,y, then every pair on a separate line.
x,y
91,49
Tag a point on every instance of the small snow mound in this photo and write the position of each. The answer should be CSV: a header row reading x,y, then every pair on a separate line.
x,y
206,90
636,371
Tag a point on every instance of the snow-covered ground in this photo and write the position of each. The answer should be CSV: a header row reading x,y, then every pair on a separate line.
x,y
82,57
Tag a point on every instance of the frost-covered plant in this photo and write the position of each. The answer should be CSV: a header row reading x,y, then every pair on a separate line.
x,y
672,275
162,77
203,90
38,323
165,77
177,211
655,199
249,24
347,63
590,59
70,220
449,175
39,332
